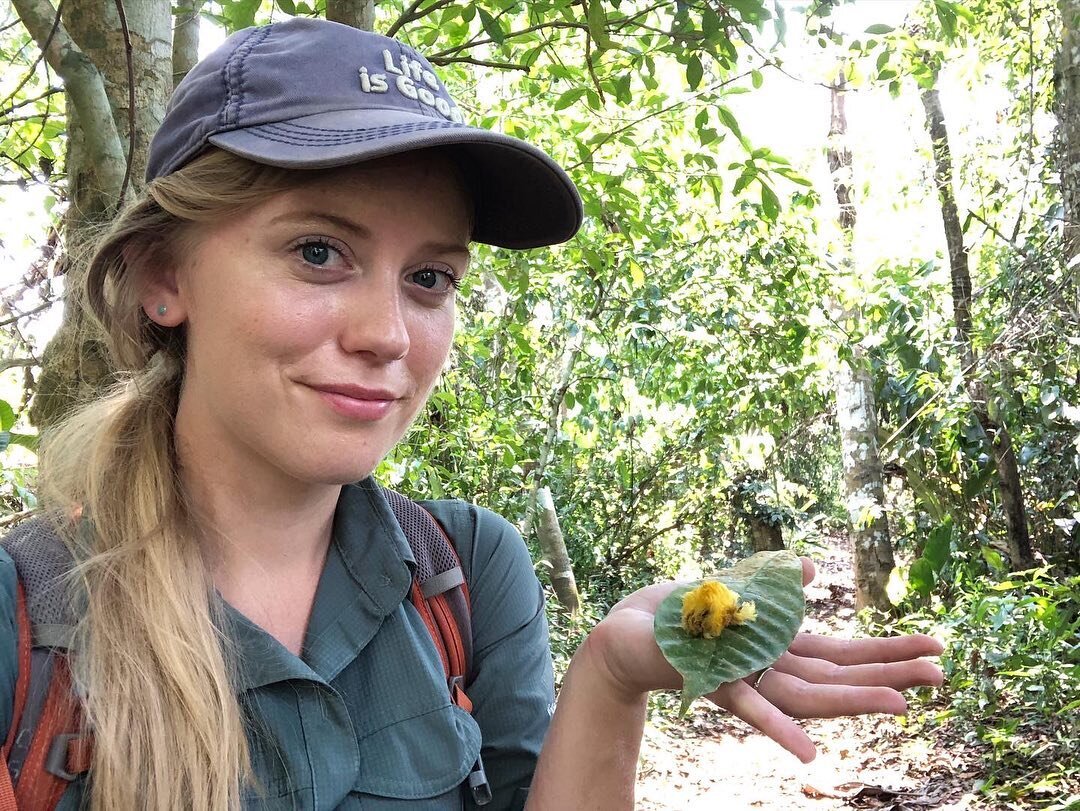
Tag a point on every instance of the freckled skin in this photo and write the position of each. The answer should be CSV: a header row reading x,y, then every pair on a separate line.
x,y
277,301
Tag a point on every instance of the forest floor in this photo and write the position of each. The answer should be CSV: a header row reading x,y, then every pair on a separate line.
x,y
714,761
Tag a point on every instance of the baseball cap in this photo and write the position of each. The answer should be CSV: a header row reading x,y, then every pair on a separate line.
x,y
312,94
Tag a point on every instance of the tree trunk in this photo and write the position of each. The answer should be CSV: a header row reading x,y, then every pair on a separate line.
x,y
89,52
553,548
185,46
1067,104
765,537
357,13
555,405
1012,498
856,412
868,525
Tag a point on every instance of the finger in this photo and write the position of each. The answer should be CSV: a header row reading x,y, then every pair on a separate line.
x,y
808,571
800,699
866,651
897,675
740,699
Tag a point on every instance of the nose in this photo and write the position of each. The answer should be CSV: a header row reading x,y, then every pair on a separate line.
x,y
375,320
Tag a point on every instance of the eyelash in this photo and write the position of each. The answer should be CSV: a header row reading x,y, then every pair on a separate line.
x,y
451,278
321,241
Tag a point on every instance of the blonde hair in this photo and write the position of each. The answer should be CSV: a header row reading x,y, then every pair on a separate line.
x,y
151,663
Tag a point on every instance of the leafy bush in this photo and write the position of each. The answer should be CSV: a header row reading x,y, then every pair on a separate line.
x,y
1012,681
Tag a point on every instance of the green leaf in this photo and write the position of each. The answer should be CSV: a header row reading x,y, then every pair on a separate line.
x,y
921,577
694,72
938,547
773,582
7,415
598,24
879,28
288,6
491,26
569,97
770,204
28,441
240,14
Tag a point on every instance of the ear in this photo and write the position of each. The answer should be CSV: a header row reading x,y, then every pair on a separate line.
x,y
159,291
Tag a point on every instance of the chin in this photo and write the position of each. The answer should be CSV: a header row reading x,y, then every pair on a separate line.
x,y
341,470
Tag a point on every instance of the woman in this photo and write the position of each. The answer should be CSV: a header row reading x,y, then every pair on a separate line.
x,y
284,301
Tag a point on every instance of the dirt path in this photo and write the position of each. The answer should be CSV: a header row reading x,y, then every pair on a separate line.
x,y
716,762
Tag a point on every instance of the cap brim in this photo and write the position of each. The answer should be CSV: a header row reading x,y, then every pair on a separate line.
x,y
523,198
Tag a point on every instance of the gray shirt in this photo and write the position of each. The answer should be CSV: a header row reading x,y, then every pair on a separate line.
x,y
363,718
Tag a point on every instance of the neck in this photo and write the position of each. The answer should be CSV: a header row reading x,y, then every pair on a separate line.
x,y
257,524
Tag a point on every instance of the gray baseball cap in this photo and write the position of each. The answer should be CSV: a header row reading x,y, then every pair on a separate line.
x,y
311,94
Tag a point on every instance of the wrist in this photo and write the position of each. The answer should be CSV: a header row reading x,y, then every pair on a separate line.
x,y
590,669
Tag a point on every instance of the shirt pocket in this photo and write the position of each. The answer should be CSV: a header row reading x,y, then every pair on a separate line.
x,y
418,762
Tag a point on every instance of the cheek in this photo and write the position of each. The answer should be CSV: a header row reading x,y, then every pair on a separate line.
x,y
430,343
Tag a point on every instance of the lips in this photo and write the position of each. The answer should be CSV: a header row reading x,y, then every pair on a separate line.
x,y
356,402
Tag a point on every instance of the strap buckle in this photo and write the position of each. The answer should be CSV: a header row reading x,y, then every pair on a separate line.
x,y
457,693
67,758
478,783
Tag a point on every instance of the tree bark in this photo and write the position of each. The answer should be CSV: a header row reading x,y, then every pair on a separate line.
x,y
864,490
1067,105
856,411
89,50
765,537
1009,487
553,547
185,45
555,405
357,13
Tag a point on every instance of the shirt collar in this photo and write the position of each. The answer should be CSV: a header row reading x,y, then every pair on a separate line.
x,y
368,573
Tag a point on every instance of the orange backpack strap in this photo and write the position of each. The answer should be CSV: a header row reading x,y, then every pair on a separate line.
x,y
47,746
22,620
441,596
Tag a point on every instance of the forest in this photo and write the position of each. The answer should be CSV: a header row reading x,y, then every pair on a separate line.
x,y
826,298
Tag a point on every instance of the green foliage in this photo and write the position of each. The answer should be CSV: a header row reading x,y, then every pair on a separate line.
x,y
1013,673
32,123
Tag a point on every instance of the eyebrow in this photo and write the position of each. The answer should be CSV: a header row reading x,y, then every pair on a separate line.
x,y
359,229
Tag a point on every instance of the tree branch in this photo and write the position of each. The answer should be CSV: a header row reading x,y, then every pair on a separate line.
x,y
15,363
468,60
131,101
355,13
41,55
413,13
51,91
185,49
668,108
84,85
512,35
20,316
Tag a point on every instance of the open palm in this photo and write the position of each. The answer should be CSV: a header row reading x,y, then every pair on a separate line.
x,y
818,677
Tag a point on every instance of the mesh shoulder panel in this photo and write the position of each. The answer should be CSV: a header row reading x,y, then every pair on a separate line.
x,y
42,560
428,543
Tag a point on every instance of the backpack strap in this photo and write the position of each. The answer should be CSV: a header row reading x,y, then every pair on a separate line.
x,y
22,620
47,746
441,596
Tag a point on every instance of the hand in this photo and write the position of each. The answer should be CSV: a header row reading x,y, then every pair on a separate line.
x,y
818,677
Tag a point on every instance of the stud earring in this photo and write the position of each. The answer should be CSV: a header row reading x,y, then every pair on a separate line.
x,y
162,309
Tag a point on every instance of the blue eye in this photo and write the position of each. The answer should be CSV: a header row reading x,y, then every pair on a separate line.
x,y
435,279
317,253
426,278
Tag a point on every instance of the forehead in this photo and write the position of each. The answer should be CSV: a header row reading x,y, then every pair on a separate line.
x,y
427,186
